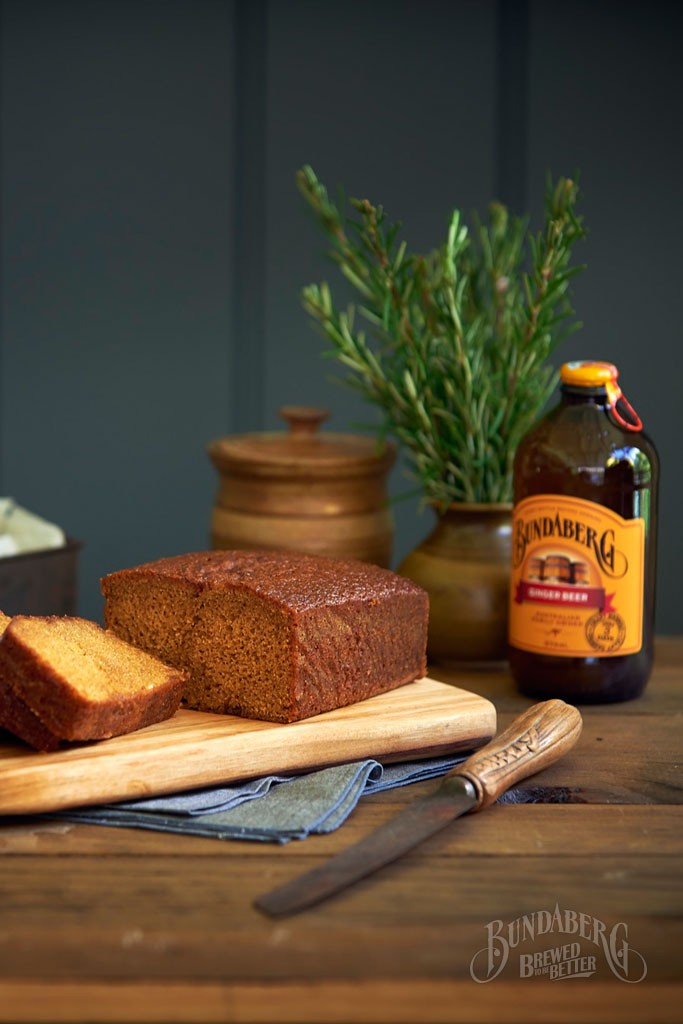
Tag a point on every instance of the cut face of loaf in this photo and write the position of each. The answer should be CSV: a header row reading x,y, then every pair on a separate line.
x,y
273,636
68,679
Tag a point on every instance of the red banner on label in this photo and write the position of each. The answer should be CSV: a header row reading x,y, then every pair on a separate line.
x,y
574,597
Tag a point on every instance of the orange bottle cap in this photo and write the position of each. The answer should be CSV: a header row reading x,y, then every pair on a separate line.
x,y
587,374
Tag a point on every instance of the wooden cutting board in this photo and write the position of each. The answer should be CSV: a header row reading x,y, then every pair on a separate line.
x,y
193,749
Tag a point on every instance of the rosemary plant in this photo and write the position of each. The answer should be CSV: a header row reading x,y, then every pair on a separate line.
x,y
457,344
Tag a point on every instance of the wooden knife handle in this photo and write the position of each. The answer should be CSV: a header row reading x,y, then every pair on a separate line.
x,y
536,739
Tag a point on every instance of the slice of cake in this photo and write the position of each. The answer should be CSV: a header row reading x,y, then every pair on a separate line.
x,y
68,679
273,635
17,718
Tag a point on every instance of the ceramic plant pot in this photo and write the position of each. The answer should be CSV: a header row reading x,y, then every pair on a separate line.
x,y
464,565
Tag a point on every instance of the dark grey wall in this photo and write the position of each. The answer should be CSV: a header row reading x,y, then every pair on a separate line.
x,y
117,269
154,244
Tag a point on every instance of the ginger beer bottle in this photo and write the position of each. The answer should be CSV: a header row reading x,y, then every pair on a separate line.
x,y
584,545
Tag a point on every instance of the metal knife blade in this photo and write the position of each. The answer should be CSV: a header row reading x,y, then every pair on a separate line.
x,y
536,739
455,796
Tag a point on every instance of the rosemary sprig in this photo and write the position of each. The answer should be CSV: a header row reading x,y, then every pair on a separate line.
x,y
456,355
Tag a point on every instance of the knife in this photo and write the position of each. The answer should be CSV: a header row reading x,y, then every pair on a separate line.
x,y
536,739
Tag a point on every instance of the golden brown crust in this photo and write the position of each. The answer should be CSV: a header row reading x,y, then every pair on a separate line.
x,y
296,581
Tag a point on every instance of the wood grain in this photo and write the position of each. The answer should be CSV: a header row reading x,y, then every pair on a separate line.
x,y
583,828
157,918
401,1001
194,749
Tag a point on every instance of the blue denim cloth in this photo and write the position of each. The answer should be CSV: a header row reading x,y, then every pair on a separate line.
x,y
272,809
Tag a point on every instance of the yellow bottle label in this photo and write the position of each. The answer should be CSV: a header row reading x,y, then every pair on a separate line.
x,y
577,578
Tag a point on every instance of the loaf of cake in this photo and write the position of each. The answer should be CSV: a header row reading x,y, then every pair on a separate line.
x,y
66,679
276,636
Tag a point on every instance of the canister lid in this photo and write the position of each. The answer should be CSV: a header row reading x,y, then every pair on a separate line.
x,y
304,447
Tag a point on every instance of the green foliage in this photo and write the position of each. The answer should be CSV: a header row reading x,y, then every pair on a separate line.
x,y
456,343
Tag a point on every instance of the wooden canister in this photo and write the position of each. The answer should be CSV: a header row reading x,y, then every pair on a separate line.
x,y
304,489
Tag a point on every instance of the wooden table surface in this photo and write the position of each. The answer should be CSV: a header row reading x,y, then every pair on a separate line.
x,y
105,924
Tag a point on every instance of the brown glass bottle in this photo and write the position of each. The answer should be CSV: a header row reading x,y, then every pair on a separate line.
x,y
589,447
